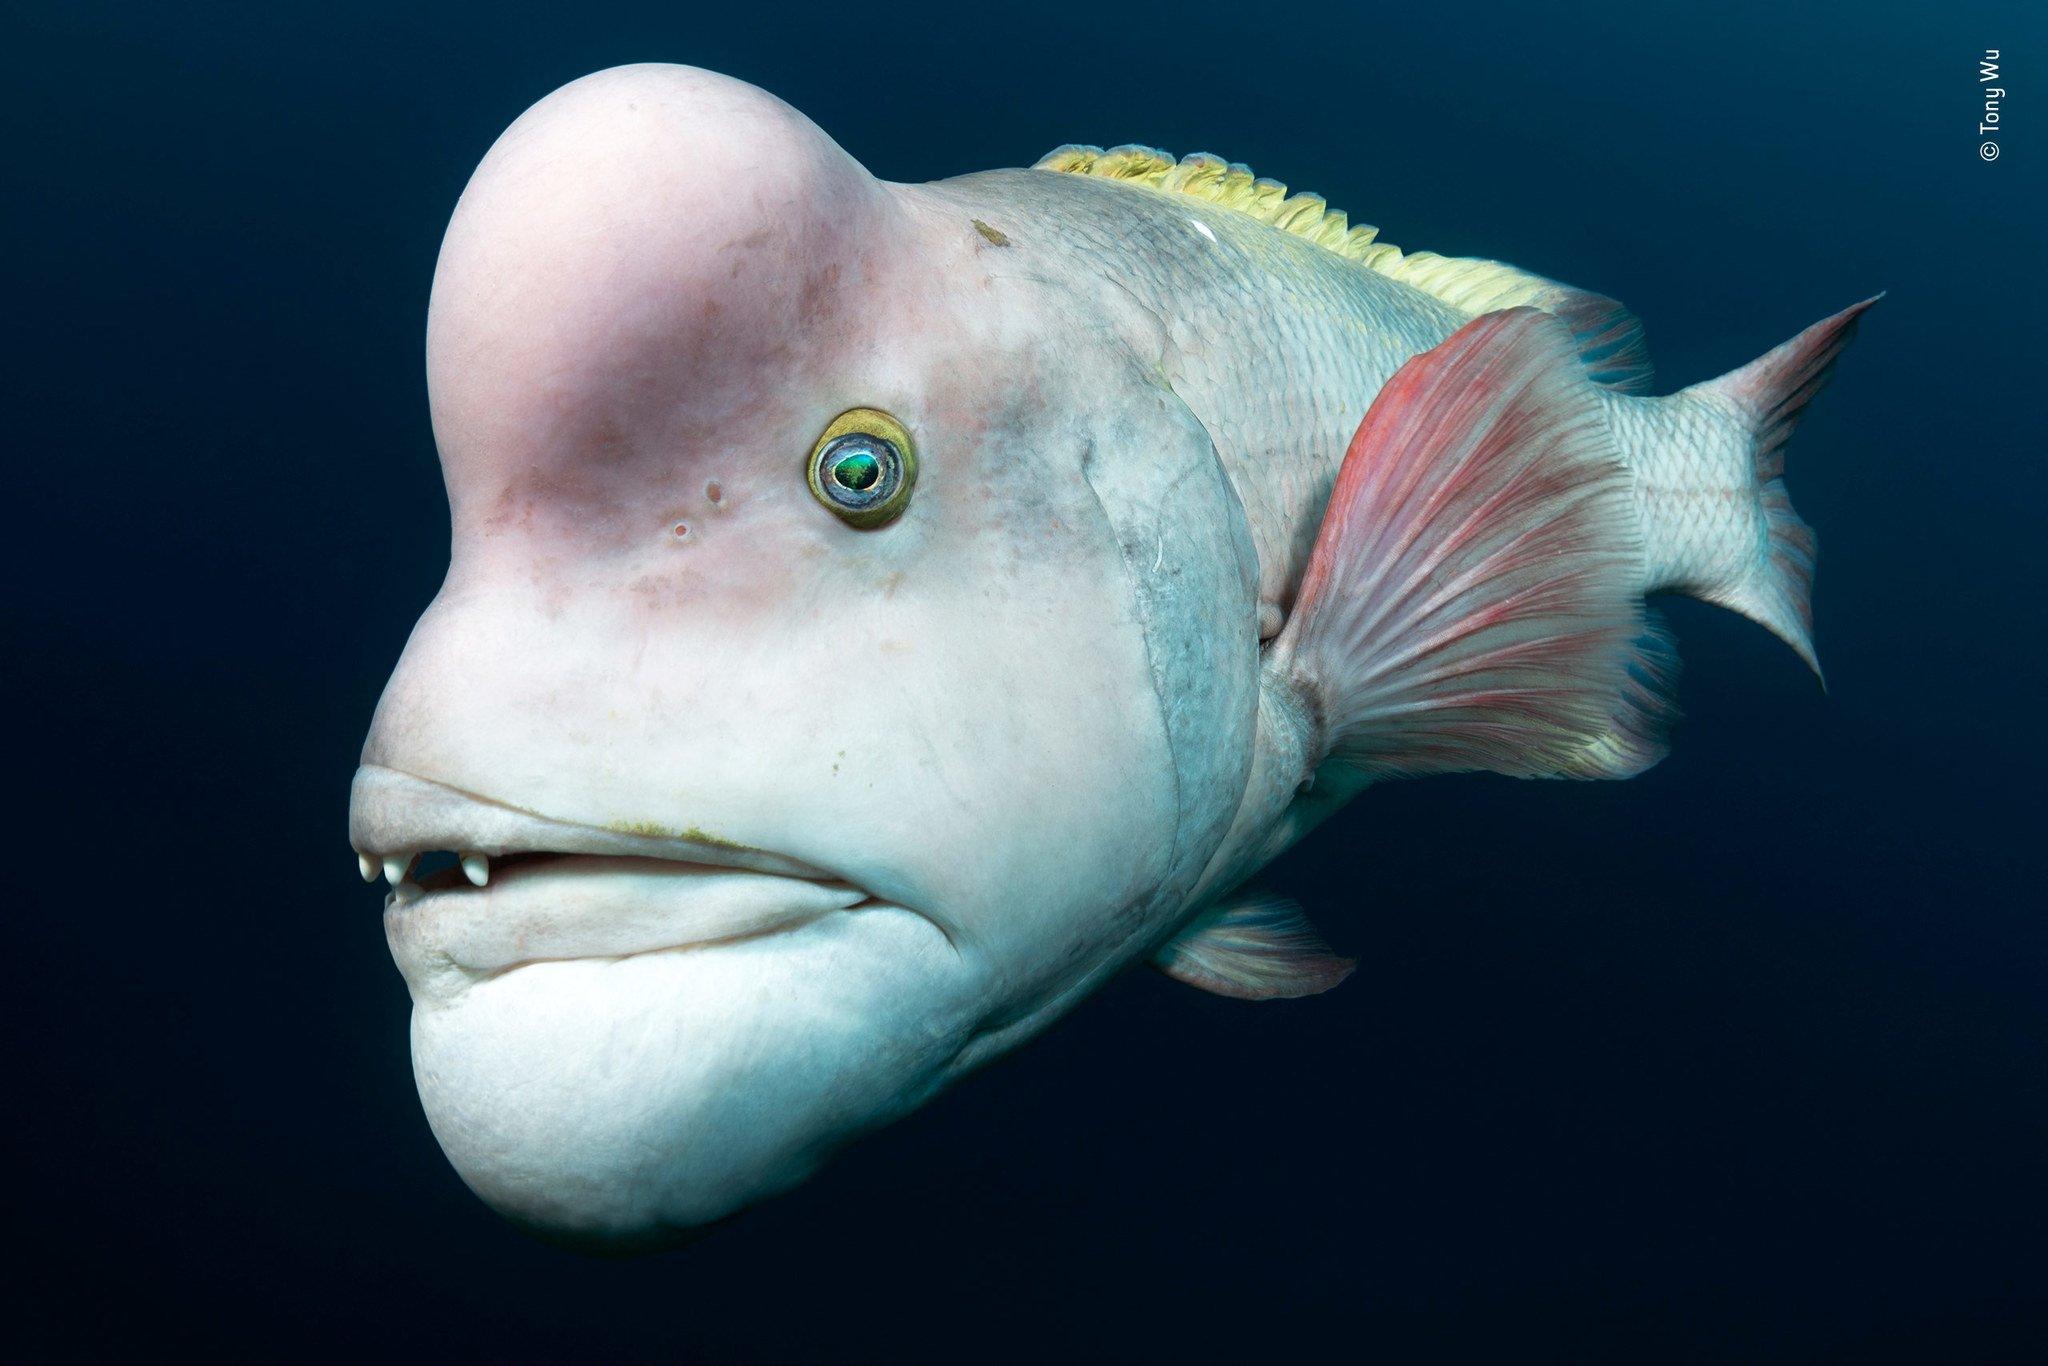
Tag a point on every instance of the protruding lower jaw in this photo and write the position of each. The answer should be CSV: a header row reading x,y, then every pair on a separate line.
x,y
625,1102
615,1047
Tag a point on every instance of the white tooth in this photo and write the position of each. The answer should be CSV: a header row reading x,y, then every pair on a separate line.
x,y
395,869
477,868
367,867
406,893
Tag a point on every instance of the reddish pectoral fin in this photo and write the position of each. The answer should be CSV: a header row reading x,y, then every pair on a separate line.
x,y
1258,947
1471,599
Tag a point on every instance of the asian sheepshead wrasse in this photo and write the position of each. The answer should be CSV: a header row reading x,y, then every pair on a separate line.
x,y
879,613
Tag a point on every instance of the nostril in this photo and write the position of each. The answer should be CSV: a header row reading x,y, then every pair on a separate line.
x,y
714,491
682,530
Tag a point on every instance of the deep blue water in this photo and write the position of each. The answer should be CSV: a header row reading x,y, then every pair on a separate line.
x,y
1740,1060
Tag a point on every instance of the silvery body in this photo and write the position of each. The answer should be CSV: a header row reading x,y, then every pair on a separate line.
x,y
851,811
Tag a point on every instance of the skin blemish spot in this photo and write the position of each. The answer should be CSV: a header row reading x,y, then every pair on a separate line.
x,y
1202,228
715,491
993,236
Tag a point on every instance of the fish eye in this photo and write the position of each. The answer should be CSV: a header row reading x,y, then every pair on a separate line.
x,y
862,468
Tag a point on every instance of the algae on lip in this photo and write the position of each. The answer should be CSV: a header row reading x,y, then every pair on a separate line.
x,y
656,830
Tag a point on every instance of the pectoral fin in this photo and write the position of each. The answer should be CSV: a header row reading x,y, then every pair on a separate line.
x,y
1472,601
1258,947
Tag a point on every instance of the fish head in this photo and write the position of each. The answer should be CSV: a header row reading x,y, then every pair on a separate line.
x,y
795,686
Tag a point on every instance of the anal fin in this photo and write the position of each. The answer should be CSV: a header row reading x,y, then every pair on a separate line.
x,y
1257,947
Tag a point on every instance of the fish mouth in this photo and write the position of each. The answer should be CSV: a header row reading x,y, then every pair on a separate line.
x,y
524,888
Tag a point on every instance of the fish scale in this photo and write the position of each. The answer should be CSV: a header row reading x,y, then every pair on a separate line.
x,y
1278,346
1279,336
1279,332
1701,519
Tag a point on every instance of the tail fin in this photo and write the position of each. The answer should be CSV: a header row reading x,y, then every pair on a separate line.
x,y
1769,395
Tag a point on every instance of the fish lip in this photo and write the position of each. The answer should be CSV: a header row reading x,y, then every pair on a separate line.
x,y
474,936
394,813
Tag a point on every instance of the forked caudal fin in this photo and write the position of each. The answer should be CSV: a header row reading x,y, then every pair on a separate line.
x,y
1770,580
1473,600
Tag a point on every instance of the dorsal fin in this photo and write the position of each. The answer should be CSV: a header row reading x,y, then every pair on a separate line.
x,y
1228,185
1608,336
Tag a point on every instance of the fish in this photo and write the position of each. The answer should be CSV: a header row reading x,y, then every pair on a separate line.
x,y
879,614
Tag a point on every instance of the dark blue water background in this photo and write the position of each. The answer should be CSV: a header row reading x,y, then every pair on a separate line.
x,y
1740,1060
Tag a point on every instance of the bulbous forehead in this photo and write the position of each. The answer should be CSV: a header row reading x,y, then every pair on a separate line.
x,y
646,245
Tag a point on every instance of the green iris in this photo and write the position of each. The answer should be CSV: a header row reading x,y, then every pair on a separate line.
x,y
862,468
857,471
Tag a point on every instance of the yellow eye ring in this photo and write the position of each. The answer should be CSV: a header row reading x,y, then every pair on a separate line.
x,y
862,468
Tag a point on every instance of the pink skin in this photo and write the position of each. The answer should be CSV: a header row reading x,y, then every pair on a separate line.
x,y
660,282
858,810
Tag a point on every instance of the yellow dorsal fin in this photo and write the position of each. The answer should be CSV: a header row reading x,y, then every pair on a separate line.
x,y
1610,338
1228,185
